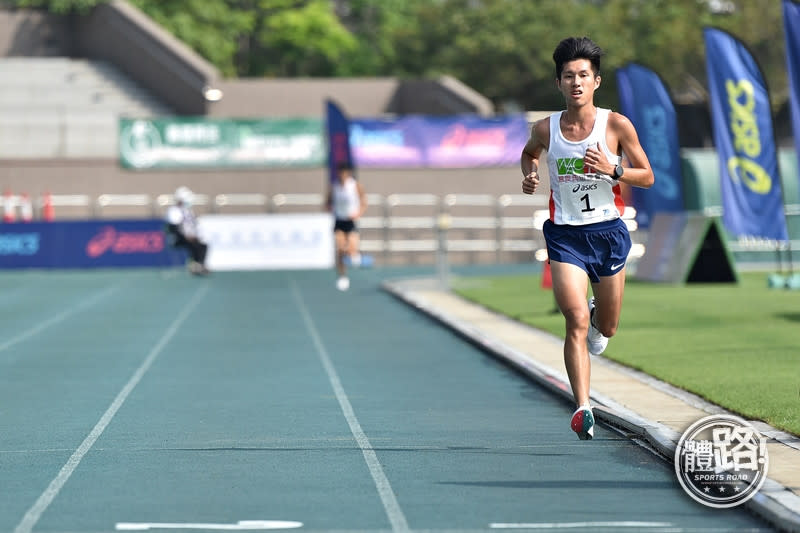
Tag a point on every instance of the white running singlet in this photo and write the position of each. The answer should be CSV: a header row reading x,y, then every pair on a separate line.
x,y
346,200
576,196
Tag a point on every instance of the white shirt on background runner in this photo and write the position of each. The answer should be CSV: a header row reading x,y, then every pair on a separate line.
x,y
346,199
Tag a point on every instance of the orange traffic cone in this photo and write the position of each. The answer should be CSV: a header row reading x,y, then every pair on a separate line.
x,y
547,276
9,207
48,212
25,208
547,283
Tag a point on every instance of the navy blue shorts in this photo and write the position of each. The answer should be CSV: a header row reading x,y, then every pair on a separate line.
x,y
600,249
346,226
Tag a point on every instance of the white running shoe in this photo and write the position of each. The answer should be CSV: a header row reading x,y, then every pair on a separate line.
x,y
595,340
582,422
343,283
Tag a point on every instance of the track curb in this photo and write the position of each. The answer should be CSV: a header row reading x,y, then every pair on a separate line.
x,y
776,504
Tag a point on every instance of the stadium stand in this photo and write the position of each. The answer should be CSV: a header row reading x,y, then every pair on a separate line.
x,y
64,107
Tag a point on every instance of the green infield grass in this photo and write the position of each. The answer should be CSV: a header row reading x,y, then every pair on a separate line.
x,y
736,345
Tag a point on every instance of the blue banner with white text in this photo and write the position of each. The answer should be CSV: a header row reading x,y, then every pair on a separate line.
x,y
645,100
741,117
791,25
87,244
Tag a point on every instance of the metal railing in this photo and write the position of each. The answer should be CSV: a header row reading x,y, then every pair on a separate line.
x,y
404,227
411,224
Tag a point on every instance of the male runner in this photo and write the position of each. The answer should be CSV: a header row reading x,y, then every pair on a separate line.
x,y
585,235
347,200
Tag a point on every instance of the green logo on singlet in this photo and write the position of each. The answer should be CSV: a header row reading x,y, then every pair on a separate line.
x,y
569,165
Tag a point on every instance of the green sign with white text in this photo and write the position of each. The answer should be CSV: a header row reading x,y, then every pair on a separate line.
x,y
214,143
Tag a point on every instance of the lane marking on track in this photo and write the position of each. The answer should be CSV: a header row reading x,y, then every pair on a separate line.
x,y
579,525
241,525
58,318
396,517
35,512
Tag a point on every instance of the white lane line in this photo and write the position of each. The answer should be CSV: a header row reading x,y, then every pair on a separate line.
x,y
58,318
396,517
579,525
35,512
241,525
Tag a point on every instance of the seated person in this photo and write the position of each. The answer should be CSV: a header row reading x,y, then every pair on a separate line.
x,y
182,224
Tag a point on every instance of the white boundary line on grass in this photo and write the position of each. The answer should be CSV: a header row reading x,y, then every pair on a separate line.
x,y
35,512
390,504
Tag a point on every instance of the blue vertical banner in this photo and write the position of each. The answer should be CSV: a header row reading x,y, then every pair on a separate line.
x,y
647,103
741,118
338,127
791,26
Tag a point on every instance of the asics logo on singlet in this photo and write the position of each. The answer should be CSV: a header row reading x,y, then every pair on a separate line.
x,y
569,165
589,187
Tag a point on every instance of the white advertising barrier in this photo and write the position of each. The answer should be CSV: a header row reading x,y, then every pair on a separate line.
x,y
268,242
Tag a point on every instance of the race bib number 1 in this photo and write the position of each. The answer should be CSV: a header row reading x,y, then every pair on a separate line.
x,y
587,200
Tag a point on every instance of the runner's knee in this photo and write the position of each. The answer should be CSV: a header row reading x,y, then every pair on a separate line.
x,y
577,320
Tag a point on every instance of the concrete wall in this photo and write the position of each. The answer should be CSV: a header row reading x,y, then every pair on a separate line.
x,y
99,176
358,97
118,33
30,33
443,96
121,34
303,97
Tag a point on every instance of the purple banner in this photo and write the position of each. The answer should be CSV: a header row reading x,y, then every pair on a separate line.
x,y
441,142
386,143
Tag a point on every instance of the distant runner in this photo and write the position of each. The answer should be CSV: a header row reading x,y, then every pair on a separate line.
x,y
347,200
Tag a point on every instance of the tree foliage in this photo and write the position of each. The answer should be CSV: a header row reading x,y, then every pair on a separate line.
x,y
501,48
56,6
259,37
211,27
